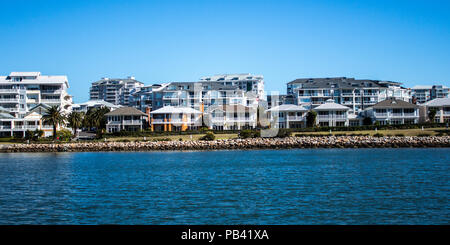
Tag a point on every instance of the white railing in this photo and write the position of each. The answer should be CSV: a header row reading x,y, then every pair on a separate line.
x,y
5,127
295,118
132,122
9,100
51,91
9,90
50,100
409,114
329,117
381,114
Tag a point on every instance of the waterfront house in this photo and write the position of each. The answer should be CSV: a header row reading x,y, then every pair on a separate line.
x,y
442,107
125,119
394,111
231,117
170,118
331,114
287,116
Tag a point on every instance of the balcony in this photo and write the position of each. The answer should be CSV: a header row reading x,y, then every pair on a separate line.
x,y
51,91
295,118
381,114
9,91
331,117
50,101
13,100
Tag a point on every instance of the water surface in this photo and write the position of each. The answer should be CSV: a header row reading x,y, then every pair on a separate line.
x,y
303,186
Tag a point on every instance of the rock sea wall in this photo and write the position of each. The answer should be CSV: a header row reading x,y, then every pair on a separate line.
x,y
238,144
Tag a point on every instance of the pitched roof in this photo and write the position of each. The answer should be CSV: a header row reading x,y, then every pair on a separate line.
x,y
126,111
39,108
4,115
91,103
288,107
438,102
394,103
173,109
329,105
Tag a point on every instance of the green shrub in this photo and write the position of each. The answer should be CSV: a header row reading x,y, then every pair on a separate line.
x,y
400,135
208,136
247,133
64,135
284,132
378,135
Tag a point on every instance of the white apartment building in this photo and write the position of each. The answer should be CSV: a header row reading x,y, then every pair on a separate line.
x,y
24,98
424,93
201,95
21,91
287,116
116,91
355,94
244,81
394,111
330,114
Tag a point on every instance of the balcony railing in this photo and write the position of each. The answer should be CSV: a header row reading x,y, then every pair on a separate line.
x,y
381,114
295,118
51,91
9,90
330,117
9,100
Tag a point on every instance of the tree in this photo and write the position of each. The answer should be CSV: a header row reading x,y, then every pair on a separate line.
x,y
95,118
75,120
55,117
311,118
432,114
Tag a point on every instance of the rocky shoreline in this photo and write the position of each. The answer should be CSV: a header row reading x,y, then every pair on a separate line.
x,y
238,144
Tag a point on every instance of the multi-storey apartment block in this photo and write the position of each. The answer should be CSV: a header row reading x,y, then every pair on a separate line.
x,y
24,98
201,95
355,94
21,91
245,82
426,93
114,90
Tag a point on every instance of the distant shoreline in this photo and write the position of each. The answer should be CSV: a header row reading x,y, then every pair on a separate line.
x,y
239,144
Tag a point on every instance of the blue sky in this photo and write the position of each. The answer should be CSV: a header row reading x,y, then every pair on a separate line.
x,y
162,41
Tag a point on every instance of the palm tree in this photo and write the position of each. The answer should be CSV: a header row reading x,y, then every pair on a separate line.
x,y
75,120
55,117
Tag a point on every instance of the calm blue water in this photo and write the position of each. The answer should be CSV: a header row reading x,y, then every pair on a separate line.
x,y
317,186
